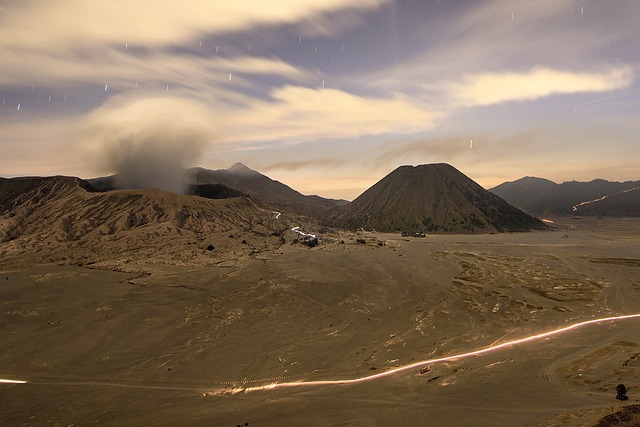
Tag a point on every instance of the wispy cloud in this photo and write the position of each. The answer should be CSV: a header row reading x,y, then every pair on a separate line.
x,y
77,23
494,88
494,38
144,44
303,163
124,69
456,148
299,114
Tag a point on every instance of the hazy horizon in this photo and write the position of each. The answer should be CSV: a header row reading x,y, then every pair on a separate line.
x,y
327,96
160,182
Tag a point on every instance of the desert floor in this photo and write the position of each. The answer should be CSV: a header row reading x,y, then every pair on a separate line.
x,y
185,345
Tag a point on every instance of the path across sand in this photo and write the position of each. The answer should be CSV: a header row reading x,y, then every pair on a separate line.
x,y
272,386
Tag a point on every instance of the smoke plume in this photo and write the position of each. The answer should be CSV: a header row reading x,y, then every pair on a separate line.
x,y
148,143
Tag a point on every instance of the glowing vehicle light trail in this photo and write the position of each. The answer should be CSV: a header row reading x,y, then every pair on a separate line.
x,y
237,387
575,208
302,233
277,214
441,359
6,381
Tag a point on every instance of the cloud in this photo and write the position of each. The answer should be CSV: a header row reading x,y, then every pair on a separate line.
x,y
124,69
495,88
36,24
151,43
148,142
487,146
300,114
303,163
483,38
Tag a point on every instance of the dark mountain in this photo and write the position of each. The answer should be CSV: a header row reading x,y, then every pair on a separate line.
x,y
538,196
525,193
431,198
240,180
265,189
214,191
105,183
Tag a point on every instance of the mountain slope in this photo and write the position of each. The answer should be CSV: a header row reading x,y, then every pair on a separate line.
x,y
432,198
58,215
536,198
265,189
239,179
525,193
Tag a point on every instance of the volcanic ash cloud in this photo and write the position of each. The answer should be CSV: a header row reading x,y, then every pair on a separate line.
x,y
148,143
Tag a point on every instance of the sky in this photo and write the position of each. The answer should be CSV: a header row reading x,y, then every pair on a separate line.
x,y
327,96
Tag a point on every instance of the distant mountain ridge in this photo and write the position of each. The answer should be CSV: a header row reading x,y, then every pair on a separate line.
x,y
65,212
265,189
240,180
538,196
431,198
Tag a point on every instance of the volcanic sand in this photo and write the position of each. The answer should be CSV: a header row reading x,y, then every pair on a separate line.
x,y
177,344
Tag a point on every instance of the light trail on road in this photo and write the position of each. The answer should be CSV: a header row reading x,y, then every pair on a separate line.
x,y
239,388
277,214
6,381
437,360
302,233
575,208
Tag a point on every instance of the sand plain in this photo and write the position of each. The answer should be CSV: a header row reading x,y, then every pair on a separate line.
x,y
177,344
